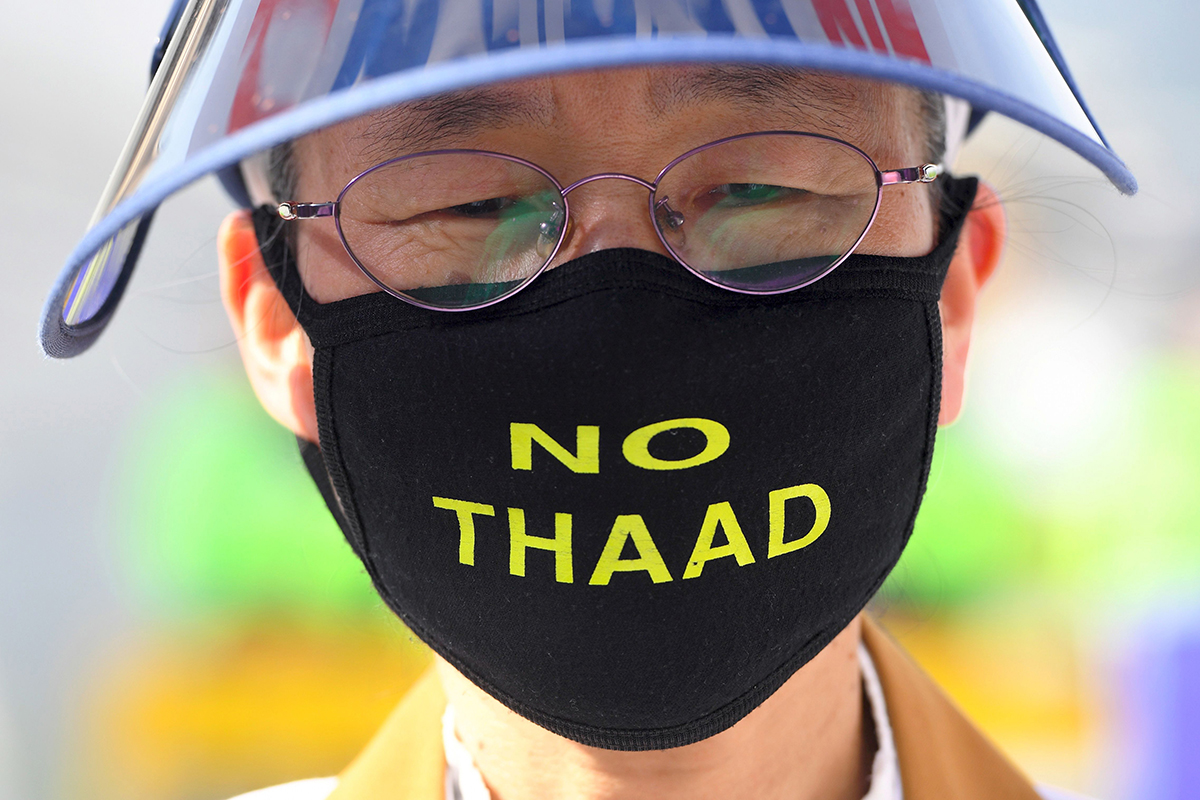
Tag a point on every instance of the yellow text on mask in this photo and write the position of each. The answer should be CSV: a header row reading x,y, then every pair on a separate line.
x,y
631,530
635,448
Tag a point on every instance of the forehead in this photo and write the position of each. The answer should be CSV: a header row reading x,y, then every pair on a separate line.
x,y
662,109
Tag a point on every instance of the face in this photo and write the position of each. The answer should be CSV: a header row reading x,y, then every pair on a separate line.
x,y
631,121
396,402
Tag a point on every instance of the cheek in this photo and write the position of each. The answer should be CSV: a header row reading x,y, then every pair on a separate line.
x,y
326,268
904,225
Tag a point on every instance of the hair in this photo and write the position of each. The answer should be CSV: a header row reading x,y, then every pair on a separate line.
x,y
281,175
932,108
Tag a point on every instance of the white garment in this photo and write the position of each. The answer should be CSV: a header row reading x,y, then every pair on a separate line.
x,y
321,788
463,779
310,789
885,769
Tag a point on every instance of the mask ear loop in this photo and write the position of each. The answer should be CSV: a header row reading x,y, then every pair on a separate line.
x,y
314,461
277,256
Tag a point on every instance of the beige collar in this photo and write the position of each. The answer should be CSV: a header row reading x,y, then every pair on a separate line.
x,y
941,754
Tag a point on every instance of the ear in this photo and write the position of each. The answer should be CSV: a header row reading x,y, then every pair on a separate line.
x,y
275,350
980,248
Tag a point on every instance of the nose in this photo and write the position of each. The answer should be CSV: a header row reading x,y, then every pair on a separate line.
x,y
609,210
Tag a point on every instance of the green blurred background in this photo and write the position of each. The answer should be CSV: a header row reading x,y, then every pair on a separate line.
x,y
183,620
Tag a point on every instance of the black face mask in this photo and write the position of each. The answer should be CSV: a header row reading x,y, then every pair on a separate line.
x,y
625,503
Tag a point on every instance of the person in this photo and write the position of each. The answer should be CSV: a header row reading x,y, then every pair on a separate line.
x,y
617,352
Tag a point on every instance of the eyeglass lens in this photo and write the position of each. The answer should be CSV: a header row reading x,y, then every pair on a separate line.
x,y
452,230
761,213
766,213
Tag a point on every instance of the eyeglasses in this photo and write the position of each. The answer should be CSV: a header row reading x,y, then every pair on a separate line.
x,y
759,213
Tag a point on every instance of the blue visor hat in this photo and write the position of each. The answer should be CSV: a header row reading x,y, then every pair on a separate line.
x,y
233,78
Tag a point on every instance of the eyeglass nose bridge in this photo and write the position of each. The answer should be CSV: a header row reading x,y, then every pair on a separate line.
x,y
669,216
621,176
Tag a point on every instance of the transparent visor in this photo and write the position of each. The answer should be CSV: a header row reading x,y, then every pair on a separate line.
x,y
240,76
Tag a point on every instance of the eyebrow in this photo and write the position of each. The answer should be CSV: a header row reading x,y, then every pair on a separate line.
x,y
433,121
751,87
425,123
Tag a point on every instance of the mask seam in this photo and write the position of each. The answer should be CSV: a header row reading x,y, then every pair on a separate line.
x,y
350,331
375,308
649,738
726,715
332,456
714,722
344,493
722,718
627,739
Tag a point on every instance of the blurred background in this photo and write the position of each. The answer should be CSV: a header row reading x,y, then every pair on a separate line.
x,y
180,619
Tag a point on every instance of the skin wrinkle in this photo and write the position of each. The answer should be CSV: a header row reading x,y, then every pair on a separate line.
x,y
421,124
424,124
748,86
434,122
650,116
808,740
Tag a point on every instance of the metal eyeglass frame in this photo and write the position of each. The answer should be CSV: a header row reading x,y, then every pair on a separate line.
x,y
290,211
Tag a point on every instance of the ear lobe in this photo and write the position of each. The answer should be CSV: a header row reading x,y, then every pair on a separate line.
x,y
980,250
273,346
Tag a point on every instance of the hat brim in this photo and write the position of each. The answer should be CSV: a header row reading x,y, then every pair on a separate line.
x,y
199,119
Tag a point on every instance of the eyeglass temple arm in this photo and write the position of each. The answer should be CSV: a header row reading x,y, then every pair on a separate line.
x,y
926,173
290,211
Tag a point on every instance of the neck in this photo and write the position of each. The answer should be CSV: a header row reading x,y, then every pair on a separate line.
x,y
807,741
